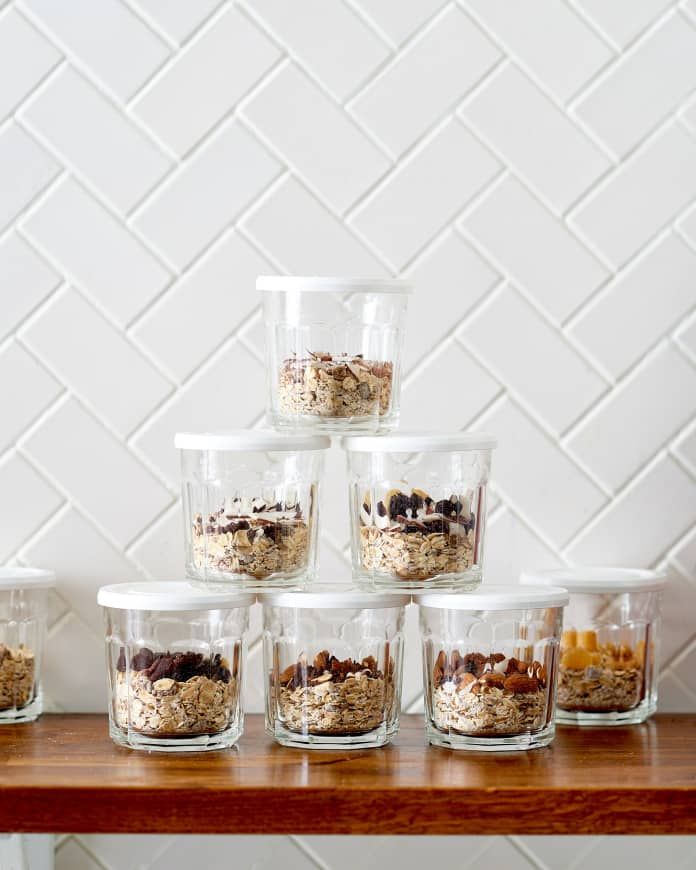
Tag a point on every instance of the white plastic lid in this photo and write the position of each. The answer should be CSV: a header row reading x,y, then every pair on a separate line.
x,y
315,282
597,579
170,595
496,598
419,442
250,439
333,597
26,578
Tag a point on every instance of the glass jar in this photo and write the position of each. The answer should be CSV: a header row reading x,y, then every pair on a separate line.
x,y
608,669
175,661
250,505
23,612
418,509
333,350
333,662
489,666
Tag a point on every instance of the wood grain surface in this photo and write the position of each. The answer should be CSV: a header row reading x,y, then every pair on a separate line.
x,y
63,774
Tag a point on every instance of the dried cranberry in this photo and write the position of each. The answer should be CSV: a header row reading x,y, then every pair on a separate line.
x,y
142,659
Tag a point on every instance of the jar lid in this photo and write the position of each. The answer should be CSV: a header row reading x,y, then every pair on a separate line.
x,y
250,439
26,578
315,282
597,579
496,598
170,595
332,597
418,442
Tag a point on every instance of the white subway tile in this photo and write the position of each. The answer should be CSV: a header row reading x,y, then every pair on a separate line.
x,y
206,194
28,501
639,416
26,57
408,852
685,447
305,238
100,473
178,18
110,152
440,178
642,195
516,343
327,37
96,251
622,20
70,855
524,240
563,54
643,87
207,304
206,80
677,608
425,81
512,548
261,853
27,279
107,37
315,137
25,170
638,851
642,524
73,667
634,297
26,388
535,138
98,362
160,551
399,20
531,470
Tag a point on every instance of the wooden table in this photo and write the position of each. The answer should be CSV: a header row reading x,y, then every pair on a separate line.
x,y
63,774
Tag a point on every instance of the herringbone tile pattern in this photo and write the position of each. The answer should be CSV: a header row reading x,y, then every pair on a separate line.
x,y
531,165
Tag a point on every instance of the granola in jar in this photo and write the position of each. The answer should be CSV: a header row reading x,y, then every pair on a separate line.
x,y
174,694
17,676
488,694
334,385
414,537
596,677
250,537
334,697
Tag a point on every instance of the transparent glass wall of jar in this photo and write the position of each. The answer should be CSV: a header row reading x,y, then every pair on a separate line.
x,y
333,663
175,663
251,506
333,351
23,612
418,509
610,646
489,666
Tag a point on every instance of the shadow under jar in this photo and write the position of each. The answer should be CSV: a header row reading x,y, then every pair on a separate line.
x,y
250,506
489,666
418,509
175,660
333,662
608,669
23,612
333,351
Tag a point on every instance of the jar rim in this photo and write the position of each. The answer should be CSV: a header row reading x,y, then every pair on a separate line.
x,y
419,442
170,595
318,283
18,577
496,598
263,440
333,597
597,578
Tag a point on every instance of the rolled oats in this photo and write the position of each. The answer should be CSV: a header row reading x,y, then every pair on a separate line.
x,y
327,385
332,697
594,677
488,695
413,537
254,539
174,694
17,669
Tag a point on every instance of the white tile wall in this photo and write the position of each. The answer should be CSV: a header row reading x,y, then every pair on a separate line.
x,y
531,165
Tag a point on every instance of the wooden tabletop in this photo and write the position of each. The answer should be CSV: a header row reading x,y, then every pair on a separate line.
x,y
63,774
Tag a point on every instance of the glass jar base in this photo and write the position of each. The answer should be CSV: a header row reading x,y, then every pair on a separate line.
x,y
29,713
371,740
222,582
495,743
466,581
193,743
627,717
370,425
